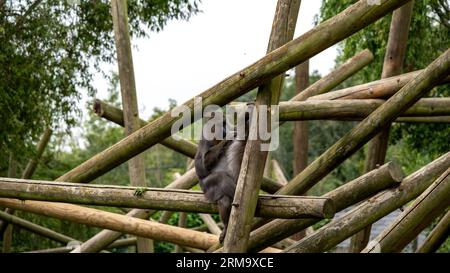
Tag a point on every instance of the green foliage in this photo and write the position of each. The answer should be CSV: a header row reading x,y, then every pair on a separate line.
x,y
48,51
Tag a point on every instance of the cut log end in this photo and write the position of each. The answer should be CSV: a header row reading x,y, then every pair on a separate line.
x,y
396,172
98,107
329,209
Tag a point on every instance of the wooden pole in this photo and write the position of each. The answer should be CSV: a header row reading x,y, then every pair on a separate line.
x,y
393,64
346,195
136,165
356,109
437,236
278,172
32,164
417,216
14,220
278,61
269,206
185,147
367,128
373,209
106,237
211,224
254,159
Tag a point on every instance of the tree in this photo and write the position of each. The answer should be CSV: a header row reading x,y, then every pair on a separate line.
x,y
48,51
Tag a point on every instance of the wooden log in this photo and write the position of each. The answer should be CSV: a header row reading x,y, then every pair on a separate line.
x,y
106,237
417,216
278,172
255,156
356,109
380,89
45,232
367,128
211,224
185,147
346,195
392,66
439,119
373,209
437,236
136,165
278,61
269,206
67,249
7,235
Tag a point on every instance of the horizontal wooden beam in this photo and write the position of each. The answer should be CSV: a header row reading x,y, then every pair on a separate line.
x,y
269,206
356,109
380,89
67,249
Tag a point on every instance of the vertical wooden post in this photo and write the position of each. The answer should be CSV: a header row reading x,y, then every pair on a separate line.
x,y
392,66
252,168
300,138
129,100
182,220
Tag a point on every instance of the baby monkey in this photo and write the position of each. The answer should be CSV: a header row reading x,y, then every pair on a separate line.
x,y
218,163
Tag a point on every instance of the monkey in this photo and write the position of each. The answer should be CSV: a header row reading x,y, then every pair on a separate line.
x,y
218,164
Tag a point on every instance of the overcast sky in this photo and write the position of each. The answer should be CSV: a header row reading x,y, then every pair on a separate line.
x,y
187,58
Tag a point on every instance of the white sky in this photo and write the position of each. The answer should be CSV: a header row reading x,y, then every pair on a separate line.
x,y
187,58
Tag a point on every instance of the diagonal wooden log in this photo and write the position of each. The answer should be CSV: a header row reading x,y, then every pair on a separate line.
x,y
370,126
356,109
380,89
269,206
45,232
254,158
278,172
346,195
67,249
392,66
211,224
437,236
278,61
373,209
417,216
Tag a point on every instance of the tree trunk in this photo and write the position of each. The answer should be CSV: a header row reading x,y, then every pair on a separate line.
x,y
136,165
